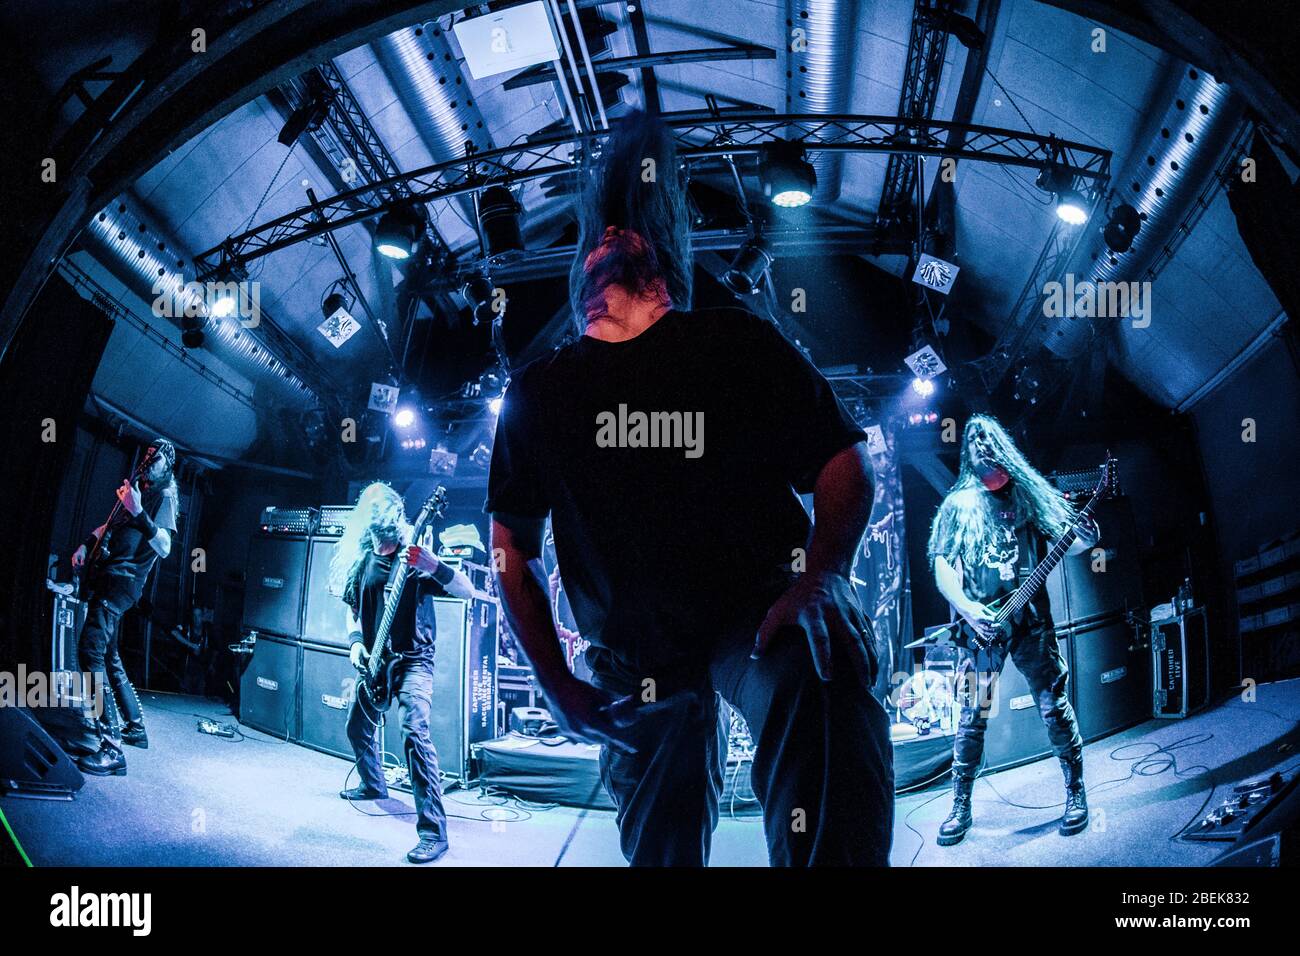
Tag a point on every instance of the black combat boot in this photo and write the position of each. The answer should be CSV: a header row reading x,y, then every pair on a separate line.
x,y
133,734
959,821
108,761
1075,817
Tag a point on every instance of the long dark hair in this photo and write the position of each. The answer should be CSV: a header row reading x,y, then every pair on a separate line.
x,y
965,524
380,515
634,204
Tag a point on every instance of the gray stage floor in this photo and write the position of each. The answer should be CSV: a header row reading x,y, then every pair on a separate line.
x,y
195,800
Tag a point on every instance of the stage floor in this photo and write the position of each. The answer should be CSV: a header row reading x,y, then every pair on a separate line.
x,y
196,800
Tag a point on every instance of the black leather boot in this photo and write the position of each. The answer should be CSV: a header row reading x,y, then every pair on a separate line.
x,y
133,734
959,821
1075,817
105,762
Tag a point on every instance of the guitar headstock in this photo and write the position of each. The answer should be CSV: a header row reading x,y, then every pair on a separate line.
x,y
435,506
1108,481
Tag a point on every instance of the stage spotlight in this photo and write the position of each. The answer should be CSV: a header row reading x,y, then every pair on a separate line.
x,y
787,178
494,405
397,232
312,113
923,386
1122,228
498,218
745,273
224,304
480,294
404,417
1071,207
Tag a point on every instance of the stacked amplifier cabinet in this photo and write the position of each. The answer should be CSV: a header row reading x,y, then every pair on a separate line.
x,y
269,687
300,684
1110,676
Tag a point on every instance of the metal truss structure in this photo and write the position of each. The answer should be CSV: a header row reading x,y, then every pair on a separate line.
x,y
699,137
351,142
1028,322
926,49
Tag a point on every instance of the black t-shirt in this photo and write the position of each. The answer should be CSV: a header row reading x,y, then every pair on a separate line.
x,y
413,630
119,575
669,528
1016,549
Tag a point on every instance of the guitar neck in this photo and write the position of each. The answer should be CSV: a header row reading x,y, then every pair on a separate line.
x,y
1025,593
386,622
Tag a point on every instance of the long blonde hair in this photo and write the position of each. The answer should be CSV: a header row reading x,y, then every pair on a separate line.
x,y
965,524
379,516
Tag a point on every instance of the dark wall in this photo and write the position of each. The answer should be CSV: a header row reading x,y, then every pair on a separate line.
x,y
1253,487
44,378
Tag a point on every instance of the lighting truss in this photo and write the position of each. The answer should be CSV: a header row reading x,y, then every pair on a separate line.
x,y
698,137
1028,325
925,54
348,136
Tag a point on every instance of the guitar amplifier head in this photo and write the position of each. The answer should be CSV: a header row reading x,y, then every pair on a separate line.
x,y
1077,486
332,519
288,520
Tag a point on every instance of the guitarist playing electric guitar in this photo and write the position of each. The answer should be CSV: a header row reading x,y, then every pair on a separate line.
x,y
114,563
1000,521
384,577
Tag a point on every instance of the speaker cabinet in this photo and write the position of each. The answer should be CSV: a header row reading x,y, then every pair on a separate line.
x,y
30,761
328,686
1110,677
1080,595
325,616
1015,732
464,681
268,690
274,584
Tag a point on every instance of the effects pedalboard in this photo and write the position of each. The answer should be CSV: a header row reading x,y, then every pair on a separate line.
x,y
1237,813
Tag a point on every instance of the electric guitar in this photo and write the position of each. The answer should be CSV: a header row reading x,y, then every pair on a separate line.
x,y
100,552
1007,608
375,683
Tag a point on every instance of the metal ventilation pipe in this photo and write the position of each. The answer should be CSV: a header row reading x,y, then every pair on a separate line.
x,y
152,264
819,73
1193,119
427,77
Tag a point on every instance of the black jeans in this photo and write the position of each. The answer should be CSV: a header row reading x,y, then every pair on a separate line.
x,y
97,653
413,684
1037,656
823,769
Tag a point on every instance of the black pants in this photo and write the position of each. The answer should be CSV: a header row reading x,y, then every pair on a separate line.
x,y
823,768
1037,656
413,684
97,653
